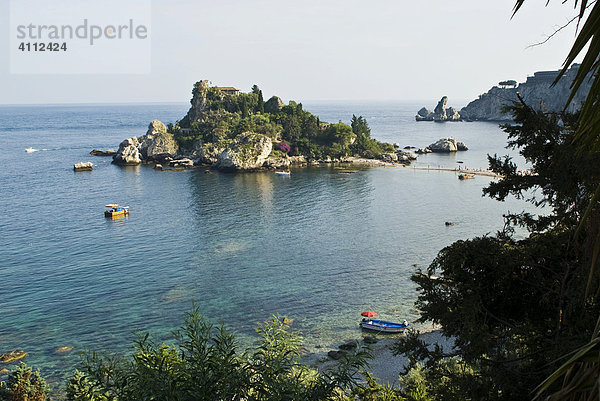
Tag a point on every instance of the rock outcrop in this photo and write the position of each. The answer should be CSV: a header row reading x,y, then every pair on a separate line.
x,y
273,105
440,113
447,145
63,350
128,153
537,92
198,102
98,152
83,166
248,151
406,156
182,163
158,144
12,356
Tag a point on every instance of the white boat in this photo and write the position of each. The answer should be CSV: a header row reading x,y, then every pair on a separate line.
x,y
30,150
283,173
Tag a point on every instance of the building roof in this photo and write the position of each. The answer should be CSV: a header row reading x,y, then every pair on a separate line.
x,y
227,88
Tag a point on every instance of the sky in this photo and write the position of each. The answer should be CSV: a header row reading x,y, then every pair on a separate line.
x,y
313,50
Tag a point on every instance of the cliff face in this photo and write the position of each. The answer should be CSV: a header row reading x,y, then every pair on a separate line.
x,y
536,91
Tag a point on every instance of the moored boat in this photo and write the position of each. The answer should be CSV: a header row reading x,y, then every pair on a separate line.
x,y
465,176
283,173
114,210
383,326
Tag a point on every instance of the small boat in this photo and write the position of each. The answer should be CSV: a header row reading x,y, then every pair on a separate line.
x,y
283,173
382,326
115,211
30,150
465,176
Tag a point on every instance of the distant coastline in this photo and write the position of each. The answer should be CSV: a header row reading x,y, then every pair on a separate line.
x,y
537,91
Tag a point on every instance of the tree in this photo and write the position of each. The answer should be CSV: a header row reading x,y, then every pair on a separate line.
x,y
260,107
206,364
360,126
516,306
578,370
24,384
511,82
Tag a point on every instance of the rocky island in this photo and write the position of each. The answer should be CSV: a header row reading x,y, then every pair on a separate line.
x,y
235,131
440,113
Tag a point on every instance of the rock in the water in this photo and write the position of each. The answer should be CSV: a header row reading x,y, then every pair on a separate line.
x,y
248,151
335,355
128,153
158,166
273,105
440,113
83,166
396,146
447,145
4,371
452,114
13,356
461,147
406,156
370,340
424,115
287,321
298,159
98,152
63,350
348,346
423,151
277,162
182,163
440,110
389,157
158,143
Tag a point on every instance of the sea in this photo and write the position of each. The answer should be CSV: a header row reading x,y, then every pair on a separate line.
x,y
319,246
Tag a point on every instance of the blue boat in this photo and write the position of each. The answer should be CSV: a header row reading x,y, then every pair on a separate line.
x,y
383,326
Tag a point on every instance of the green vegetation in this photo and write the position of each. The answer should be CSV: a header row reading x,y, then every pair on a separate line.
x,y
24,385
516,306
510,82
206,364
223,117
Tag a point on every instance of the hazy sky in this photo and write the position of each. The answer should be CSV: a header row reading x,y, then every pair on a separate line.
x,y
320,49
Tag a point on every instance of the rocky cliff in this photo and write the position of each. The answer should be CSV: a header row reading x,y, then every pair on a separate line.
x,y
537,92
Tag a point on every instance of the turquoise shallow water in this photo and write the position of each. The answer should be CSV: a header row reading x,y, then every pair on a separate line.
x,y
319,246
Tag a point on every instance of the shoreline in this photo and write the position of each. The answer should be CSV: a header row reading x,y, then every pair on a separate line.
x,y
384,365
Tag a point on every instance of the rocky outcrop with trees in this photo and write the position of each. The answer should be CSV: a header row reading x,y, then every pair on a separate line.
x,y
235,131
537,92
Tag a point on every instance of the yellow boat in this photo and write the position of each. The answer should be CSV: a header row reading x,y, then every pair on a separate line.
x,y
115,211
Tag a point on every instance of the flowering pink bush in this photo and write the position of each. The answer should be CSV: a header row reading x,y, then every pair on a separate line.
x,y
284,147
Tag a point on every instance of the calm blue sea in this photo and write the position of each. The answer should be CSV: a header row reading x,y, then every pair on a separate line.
x,y
319,246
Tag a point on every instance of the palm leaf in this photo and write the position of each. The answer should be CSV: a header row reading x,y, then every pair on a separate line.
x,y
581,374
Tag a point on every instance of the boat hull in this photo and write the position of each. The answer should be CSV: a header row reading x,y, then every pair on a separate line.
x,y
382,326
113,215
